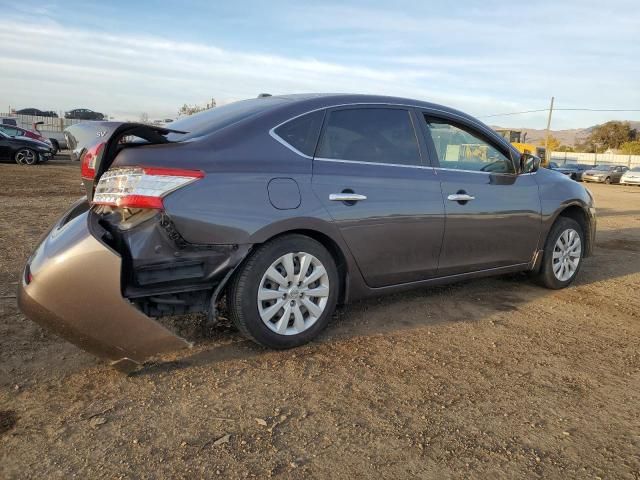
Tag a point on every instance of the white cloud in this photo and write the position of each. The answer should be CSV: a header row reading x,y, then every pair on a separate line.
x,y
489,64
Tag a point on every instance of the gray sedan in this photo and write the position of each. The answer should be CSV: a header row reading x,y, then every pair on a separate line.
x,y
285,207
605,174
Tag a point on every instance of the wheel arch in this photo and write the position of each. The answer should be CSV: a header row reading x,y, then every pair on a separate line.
x,y
337,251
579,214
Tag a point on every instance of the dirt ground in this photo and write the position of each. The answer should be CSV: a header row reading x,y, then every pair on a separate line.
x,y
493,378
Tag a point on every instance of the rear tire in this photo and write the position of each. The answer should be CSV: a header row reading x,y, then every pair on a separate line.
x,y
277,305
562,256
26,156
56,147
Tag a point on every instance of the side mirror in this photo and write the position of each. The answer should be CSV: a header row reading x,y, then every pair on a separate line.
x,y
529,163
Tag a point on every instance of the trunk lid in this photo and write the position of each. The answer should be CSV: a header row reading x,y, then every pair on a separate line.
x,y
104,140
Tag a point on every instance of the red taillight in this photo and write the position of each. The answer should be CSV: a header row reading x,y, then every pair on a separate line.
x,y
88,161
141,187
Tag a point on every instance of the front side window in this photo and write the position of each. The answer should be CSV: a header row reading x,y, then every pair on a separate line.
x,y
375,135
459,149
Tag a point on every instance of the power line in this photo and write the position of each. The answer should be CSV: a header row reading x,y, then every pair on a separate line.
x,y
563,109
513,113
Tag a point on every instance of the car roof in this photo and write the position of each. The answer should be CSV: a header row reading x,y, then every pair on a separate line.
x,y
325,100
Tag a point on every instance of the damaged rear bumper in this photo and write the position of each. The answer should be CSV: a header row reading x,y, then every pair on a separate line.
x,y
72,285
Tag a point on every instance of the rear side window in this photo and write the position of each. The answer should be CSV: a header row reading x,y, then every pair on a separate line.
x,y
13,132
302,132
376,135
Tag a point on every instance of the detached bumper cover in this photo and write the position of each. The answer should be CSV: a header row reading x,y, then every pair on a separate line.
x,y
71,285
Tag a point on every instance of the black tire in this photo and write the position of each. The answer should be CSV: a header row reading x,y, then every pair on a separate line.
x,y
56,147
607,180
30,156
546,276
573,177
242,294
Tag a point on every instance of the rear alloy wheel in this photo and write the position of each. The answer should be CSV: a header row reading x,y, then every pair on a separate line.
x,y
26,156
563,253
293,293
285,293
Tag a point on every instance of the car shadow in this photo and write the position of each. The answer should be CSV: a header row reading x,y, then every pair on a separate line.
x,y
617,254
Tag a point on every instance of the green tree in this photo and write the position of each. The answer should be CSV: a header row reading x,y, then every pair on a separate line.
x,y
630,148
565,148
554,143
610,135
187,110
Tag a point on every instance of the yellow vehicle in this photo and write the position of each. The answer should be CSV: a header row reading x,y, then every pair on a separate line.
x,y
515,138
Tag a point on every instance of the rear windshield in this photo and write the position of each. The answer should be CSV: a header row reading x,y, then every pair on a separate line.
x,y
219,117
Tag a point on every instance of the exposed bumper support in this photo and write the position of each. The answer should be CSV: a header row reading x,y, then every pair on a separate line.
x,y
71,285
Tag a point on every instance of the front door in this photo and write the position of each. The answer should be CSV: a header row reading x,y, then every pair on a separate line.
x,y
369,173
5,148
493,215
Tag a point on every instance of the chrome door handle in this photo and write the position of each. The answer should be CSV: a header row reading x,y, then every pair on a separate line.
x,y
460,197
346,197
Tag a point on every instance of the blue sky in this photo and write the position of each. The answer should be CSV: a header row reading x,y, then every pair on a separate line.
x,y
125,58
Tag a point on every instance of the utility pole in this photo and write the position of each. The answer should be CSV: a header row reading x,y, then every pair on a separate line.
x,y
546,142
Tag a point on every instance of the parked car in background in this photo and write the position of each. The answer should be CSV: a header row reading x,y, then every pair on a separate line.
x,y
631,177
604,174
8,121
286,206
37,113
571,170
554,166
576,170
83,114
23,150
23,132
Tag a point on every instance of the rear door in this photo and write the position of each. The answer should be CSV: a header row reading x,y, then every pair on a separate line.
x,y
493,215
369,172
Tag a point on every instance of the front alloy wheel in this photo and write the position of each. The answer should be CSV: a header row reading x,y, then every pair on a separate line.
x,y
562,256
26,156
566,255
285,292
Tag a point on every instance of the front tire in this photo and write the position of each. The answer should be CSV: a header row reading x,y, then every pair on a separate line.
x,y
563,253
607,180
285,293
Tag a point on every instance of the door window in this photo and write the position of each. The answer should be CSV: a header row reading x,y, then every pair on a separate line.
x,y
375,135
13,132
460,149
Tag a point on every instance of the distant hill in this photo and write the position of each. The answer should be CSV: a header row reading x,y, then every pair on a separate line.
x,y
566,137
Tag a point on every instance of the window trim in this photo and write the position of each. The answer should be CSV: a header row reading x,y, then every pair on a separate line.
x,y
377,106
418,110
468,128
282,141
